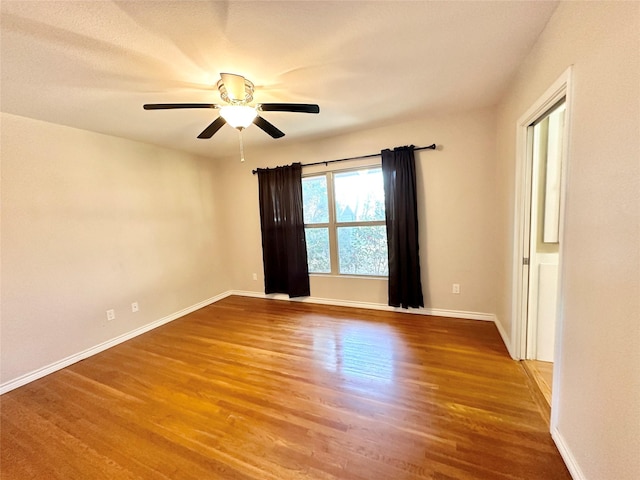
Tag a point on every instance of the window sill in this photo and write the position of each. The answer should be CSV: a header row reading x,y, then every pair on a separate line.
x,y
357,277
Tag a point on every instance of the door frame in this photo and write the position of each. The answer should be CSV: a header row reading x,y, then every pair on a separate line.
x,y
523,184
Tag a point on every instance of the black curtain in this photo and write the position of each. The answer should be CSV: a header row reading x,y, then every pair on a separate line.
x,y
399,173
284,251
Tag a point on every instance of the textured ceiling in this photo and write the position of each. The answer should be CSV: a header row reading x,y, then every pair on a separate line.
x,y
93,64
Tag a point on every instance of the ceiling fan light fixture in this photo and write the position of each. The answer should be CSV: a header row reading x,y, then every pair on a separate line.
x,y
238,116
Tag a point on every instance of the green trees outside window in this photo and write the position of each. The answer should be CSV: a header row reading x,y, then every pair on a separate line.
x,y
344,222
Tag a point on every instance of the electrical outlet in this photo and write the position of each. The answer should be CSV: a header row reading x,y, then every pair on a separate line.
x,y
134,307
255,276
111,314
455,288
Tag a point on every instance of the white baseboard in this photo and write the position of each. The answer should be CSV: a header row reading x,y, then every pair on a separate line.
x,y
567,456
505,339
436,312
70,360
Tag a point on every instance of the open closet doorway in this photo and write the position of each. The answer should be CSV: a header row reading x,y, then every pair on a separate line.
x,y
541,172
544,245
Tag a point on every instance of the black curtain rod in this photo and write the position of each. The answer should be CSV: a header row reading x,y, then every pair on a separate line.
x,y
327,162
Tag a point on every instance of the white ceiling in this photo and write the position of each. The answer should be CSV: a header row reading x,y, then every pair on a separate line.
x,y
93,64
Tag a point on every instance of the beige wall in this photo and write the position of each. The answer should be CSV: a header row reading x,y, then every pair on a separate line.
x,y
456,208
90,223
598,414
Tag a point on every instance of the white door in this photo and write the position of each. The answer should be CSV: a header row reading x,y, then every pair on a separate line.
x,y
546,137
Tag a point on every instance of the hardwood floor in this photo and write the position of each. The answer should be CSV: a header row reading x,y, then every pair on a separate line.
x,y
258,389
540,380
542,373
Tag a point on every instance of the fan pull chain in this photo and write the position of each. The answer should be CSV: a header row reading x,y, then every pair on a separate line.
x,y
241,146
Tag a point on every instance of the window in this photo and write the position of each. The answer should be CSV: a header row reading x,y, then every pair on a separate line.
x,y
344,222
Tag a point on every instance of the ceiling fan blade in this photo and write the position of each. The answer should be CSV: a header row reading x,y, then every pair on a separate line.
x,y
166,106
234,85
267,127
289,107
213,127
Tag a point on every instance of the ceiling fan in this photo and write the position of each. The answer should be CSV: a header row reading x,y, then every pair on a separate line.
x,y
237,92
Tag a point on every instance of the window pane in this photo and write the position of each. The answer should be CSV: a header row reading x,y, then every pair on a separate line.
x,y
318,250
359,195
314,199
363,250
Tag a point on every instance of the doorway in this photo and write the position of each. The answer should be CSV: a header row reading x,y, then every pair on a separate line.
x,y
540,177
543,246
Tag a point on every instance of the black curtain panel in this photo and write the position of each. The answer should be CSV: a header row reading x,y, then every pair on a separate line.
x,y
399,173
284,251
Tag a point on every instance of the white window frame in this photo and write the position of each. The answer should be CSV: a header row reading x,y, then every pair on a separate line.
x,y
332,226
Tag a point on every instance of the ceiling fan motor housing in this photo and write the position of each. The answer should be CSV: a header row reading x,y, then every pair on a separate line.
x,y
235,89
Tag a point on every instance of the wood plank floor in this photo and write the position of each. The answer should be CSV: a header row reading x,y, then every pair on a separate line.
x,y
542,374
258,389
540,381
